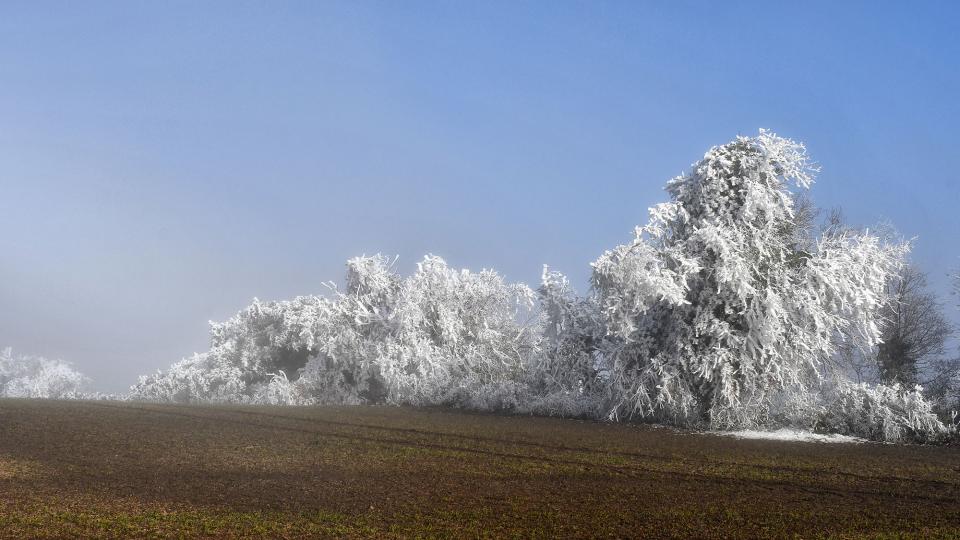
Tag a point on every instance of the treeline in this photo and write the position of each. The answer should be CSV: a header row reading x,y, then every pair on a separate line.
x,y
729,309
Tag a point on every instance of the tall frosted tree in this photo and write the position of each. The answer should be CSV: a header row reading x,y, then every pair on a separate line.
x,y
720,307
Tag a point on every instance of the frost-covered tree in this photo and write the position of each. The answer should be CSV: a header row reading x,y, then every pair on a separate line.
x,y
349,336
718,308
460,337
573,337
24,376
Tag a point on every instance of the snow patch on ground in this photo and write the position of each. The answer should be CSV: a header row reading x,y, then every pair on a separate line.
x,y
786,434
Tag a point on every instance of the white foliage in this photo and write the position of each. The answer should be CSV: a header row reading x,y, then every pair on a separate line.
x,y
37,377
714,308
568,379
879,412
722,311
456,334
438,336
201,378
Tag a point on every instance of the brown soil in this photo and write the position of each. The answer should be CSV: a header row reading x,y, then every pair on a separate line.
x,y
104,469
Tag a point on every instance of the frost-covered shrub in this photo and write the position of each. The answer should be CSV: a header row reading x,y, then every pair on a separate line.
x,y
440,336
206,377
249,355
279,391
880,412
37,377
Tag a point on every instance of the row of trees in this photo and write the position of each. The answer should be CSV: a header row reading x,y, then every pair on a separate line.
x,y
728,309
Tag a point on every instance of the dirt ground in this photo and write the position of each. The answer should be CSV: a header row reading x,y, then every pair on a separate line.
x,y
107,469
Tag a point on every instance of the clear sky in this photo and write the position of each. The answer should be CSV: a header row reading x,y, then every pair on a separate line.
x,y
162,163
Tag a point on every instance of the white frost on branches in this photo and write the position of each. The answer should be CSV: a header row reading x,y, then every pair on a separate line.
x,y
717,311
37,377
722,312
440,336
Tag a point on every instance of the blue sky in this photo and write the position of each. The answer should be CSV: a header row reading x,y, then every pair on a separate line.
x,y
162,163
